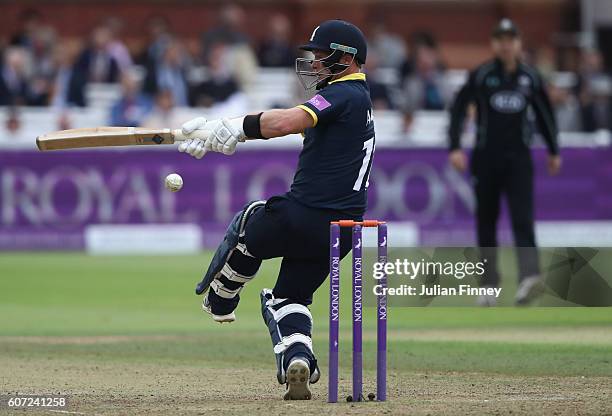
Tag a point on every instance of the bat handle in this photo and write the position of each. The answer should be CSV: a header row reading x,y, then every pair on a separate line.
x,y
178,135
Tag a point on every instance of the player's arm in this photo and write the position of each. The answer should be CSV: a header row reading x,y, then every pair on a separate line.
x,y
547,123
546,118
458,110
466,95
277,123
223,135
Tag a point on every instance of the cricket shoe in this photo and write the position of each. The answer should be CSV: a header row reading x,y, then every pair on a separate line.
x,y
298,380
530,289
486,300
230,317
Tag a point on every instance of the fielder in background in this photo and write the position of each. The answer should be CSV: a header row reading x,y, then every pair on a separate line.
x,y
330,184
503,90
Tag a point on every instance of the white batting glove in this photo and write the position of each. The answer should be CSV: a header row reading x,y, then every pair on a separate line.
x,y
197,144
195,147
215,135
225,134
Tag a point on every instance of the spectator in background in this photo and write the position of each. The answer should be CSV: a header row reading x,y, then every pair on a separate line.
x,y
133,106
389,47
96,64
544,61
379,91
63,120
565,103
170,74
594,92
116,47
243,64
229,31
29,22
276,50
43,66
14,81
67,89
426,88
13,122
159,38
164,113
220,85
418,39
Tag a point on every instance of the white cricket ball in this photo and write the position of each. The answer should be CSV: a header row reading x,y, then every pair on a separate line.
x,y
174,182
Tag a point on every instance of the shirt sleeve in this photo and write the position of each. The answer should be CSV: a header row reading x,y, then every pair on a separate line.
x,y
466,95
326,106
545,117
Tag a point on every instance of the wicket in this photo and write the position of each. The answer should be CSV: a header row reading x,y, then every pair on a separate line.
x,y
357,312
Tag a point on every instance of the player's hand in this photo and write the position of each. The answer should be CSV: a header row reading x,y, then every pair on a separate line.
x,y
458,160
216,135
225,134
554,164
195,147
198,142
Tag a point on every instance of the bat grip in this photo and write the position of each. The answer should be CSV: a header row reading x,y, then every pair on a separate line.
x,y
178,135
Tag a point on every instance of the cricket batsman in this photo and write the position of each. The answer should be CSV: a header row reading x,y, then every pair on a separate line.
x,y
330,184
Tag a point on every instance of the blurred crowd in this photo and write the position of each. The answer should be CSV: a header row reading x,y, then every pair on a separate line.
x,y
169,73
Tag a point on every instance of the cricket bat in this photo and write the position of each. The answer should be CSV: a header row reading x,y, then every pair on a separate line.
x,y
107,136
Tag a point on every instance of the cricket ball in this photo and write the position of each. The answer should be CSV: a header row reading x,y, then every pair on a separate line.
x,y
174,182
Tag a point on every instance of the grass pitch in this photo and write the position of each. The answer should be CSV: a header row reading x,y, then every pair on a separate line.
x,y
125,335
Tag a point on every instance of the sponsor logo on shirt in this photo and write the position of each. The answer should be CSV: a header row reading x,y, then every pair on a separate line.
x,y
508,102
319,102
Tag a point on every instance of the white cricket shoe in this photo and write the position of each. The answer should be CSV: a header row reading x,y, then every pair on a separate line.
x,y
298,378
529,289
231,317
486,300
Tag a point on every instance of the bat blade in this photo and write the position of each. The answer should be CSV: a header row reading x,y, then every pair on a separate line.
x,y
106,136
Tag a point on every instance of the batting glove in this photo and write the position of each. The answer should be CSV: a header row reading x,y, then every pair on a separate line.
x,y
226,134
215,135
198,135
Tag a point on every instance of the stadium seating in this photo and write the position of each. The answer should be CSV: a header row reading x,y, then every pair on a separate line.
x,y
273,88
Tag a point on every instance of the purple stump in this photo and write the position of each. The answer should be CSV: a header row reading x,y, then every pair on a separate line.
x,y
357,314
334,310
381,327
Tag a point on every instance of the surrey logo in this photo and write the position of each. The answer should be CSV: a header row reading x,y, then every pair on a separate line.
x,y
508,102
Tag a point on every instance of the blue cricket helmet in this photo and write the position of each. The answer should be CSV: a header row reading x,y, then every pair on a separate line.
x,y
337,38
340,35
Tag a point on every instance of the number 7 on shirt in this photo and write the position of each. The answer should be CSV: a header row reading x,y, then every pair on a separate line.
x,y
368,146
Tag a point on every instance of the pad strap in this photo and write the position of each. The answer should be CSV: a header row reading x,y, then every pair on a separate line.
x,y
289,340
289,309
222,291
233,275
